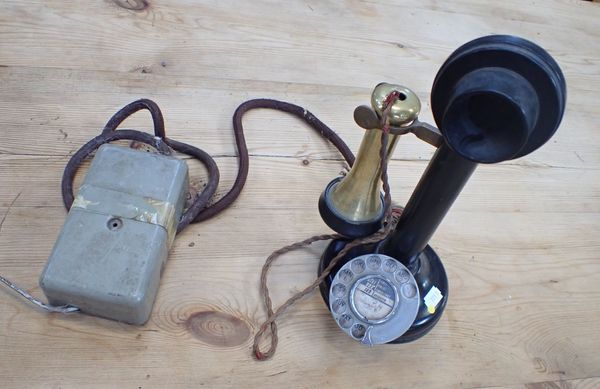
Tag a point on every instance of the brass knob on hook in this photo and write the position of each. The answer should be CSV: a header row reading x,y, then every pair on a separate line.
x,y
353,205
404,111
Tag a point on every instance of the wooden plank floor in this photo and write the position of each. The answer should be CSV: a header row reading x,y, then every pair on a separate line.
x,y
521,245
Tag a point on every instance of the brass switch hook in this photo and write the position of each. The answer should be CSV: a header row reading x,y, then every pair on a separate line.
x,y
404,114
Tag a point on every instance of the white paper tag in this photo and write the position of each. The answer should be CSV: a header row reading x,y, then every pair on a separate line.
x,y
432,299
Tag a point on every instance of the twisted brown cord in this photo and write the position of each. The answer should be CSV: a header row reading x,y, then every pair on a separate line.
x,y
243,157
390,221
159,141
198,211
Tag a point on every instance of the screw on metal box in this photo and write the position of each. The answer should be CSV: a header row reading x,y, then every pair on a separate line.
x,y
121,206
108,258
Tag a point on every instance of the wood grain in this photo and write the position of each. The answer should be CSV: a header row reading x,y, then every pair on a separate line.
x,y
521,244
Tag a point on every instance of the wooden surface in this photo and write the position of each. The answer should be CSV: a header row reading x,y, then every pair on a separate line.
x,y
521,245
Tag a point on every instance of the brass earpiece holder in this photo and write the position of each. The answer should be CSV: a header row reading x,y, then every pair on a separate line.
x,y
353,205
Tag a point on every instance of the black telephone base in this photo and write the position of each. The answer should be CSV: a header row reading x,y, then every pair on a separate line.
x,y
427,268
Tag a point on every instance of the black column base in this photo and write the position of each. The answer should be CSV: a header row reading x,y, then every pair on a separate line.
x,y
427,268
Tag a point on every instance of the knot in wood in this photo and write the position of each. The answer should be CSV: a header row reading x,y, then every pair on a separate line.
x,y
133,5
218,328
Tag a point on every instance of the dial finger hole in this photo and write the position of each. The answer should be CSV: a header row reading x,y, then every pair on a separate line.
x,y
402,276
358,266
374,262
338,290
390,265
339,306
345,321
346,276
358,331
409,291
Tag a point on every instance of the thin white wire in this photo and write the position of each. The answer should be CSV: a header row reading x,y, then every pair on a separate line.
x,y
33,300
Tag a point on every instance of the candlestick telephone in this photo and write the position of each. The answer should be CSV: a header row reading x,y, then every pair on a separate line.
x,y
495,98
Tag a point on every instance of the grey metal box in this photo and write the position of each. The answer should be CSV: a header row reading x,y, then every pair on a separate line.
x,y
109,256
